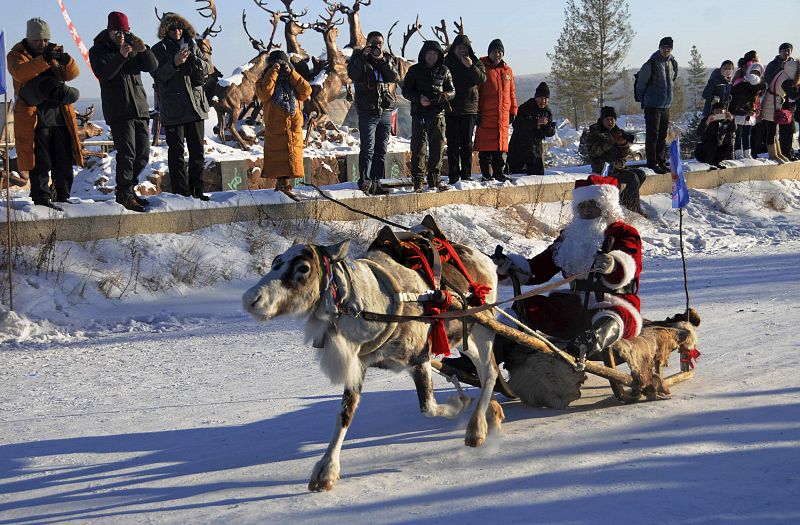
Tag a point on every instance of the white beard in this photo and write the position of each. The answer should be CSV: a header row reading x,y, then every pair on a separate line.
x,y
579,245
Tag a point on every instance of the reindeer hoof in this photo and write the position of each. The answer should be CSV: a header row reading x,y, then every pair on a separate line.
x,y
317,485
474,441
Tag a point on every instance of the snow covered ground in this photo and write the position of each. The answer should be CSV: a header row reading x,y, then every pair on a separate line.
x,y
135,390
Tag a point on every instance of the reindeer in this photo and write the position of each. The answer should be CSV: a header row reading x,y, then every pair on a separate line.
x,y
357,37
332,75
86,129
231,95
301,283
292,29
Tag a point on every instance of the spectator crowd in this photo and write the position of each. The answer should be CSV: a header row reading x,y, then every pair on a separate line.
x,y
459,101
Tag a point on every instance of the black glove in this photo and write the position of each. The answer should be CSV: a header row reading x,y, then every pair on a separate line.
x,y
65,58
511,118
53,52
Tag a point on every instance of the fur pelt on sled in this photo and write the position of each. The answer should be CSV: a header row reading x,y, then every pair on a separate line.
x,y
543,381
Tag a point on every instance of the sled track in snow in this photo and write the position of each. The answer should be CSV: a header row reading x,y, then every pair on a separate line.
x,y
90,228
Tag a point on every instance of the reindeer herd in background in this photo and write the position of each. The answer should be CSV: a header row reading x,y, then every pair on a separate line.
x,y
233,98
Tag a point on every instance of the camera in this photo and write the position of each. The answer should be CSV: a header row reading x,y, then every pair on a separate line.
x,y
630,137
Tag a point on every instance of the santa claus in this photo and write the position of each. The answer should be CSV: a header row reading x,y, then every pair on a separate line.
x,y
604,306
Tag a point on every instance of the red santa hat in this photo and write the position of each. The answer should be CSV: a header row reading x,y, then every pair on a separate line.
x,y
596,188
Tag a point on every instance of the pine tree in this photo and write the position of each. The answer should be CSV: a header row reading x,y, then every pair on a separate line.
x,y
587,58
696,80
678,99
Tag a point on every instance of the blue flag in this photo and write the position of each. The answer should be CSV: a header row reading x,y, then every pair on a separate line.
x,y
680,193
2,63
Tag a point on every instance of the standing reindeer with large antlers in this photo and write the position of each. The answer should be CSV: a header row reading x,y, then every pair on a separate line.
x,y
353,14
327,86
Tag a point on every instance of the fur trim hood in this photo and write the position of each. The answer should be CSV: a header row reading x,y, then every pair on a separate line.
x,y
170,18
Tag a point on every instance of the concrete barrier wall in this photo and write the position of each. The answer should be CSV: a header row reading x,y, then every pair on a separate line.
x,y
108,227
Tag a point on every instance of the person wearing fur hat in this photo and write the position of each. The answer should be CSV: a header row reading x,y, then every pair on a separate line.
x,y
607,143
462,115
497,108
118,58
716,133
428,85
533,123
745,106
281,91
183,106
599,246
44,117
654,89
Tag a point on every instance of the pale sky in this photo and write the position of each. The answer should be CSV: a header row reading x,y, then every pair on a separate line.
x,y
720,29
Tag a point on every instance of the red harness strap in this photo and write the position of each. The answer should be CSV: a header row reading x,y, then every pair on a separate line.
x,y
438,334
479,290
691,357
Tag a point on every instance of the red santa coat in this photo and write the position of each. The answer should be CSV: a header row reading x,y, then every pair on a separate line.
x,y
561,314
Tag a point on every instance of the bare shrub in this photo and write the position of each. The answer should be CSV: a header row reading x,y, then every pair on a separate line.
x,y
775,202
191,265
108,284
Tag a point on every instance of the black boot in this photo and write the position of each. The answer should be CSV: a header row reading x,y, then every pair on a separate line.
x,y
605,331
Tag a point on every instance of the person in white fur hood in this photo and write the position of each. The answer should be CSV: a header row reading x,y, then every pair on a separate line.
x,y
597,240
745,106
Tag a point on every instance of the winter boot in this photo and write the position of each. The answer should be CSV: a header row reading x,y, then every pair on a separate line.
x,y
738,154
746,154
377,188
605,331
781,157
419,184
365,185
772,150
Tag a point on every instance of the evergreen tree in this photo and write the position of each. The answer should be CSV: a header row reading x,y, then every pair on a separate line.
x,y
696,80
678,99
587,58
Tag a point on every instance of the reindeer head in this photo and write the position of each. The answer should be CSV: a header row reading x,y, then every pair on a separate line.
x,y
295,283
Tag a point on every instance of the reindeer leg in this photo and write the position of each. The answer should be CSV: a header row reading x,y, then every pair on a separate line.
x,y
480,352
427,403
326,471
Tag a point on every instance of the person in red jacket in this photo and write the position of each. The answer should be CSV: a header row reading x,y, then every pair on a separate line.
x,y
603,306
497,107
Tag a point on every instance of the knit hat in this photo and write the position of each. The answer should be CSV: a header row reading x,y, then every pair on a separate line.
x,y
603,190
542,90
607,111
785,45
277,56
497,44
666,41
118,21
38,29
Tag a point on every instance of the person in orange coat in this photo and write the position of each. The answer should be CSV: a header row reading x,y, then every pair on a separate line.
x,y
46,136
497,108
281,91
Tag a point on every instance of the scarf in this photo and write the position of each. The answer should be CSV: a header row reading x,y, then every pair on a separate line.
x,y
283,96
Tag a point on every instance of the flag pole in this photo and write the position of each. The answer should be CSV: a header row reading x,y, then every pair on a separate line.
x,y
7,166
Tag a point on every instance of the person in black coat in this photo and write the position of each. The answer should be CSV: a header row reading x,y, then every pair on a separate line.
x,y
183,106
606,143
718,88
462,115
373,73
118,57
716,132
428,85
534,122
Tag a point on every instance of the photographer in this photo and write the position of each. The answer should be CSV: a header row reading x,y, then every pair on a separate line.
x,y
118,57
182,70
716,132
373,72
606,143
44,118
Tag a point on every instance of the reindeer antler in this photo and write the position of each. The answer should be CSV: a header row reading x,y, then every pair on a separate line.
x,y
209,11
258,45
326,24
440,32
84,117
276,17
157,15
389,36
288,5
412,28
459,30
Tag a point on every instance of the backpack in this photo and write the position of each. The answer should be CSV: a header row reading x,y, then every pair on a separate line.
x,y
649,80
